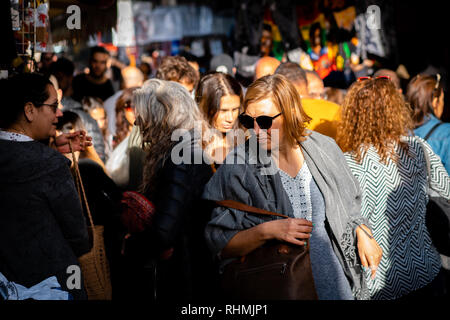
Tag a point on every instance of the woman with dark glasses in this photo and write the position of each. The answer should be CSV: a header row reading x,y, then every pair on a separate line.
x,y
425,94
391,168
312,184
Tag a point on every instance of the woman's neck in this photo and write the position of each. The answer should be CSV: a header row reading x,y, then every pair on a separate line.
x,y
290,159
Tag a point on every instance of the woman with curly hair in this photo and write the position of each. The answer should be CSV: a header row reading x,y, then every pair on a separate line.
x,y
391,168
174,176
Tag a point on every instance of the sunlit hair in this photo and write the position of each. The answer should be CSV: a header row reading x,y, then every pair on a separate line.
x,y
176,69
420,94
211,89
286,99
161,108
374,114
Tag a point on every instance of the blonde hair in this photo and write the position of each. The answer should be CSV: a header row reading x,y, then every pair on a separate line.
x,y
287,100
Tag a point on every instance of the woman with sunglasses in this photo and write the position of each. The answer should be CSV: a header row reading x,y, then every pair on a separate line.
x,y
391,169
124,116
426,97
42,227
219,96
311,184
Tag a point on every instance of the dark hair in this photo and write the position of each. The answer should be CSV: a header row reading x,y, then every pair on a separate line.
x,y
293,72
175,69
19,90
420,94
212,87
97,49
63,65
312,30
122,125
72,118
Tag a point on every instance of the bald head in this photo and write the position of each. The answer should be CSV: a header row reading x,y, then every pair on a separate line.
x,y
266,66
315,85
391,74
132,77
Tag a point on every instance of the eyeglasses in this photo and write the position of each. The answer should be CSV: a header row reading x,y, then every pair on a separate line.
x,y
264,122
370,78
128,106
54,106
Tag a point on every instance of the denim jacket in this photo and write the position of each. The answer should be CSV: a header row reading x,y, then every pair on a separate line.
x,y
439,139
246,182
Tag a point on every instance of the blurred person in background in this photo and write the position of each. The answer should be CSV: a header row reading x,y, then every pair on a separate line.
x,y
426,97
324,114
95,83
391,168
132,77
62,70
315,85
94,107
179,70
334,95
266,66
70,122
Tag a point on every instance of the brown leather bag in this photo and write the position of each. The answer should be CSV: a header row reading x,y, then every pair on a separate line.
x,y
275,271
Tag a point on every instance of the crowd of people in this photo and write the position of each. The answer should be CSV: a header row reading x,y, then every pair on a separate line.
x,y
352,170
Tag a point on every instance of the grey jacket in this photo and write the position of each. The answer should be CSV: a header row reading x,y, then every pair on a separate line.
x,y
249,183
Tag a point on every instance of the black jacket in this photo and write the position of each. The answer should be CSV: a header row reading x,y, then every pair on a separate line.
x,y
42,228
179,223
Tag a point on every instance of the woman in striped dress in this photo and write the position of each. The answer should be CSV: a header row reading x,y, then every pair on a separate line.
x,y
391,169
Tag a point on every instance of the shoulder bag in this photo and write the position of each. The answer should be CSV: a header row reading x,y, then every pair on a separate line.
x,y
275,271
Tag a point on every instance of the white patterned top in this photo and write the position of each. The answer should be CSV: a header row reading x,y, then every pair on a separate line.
x,y
12,136
298,190
394,199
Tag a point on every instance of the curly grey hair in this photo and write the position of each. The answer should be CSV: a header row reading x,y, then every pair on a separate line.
x,y
161,108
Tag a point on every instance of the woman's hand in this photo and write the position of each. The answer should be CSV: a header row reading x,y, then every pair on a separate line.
x,y
369,251
289,230
78,138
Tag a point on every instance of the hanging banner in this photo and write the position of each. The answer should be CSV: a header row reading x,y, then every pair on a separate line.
x,y
124,37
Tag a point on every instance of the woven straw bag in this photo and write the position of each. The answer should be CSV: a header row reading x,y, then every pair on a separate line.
x,y
94,264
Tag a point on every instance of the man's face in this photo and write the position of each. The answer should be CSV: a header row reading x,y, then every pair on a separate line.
x,y
44,124
98,64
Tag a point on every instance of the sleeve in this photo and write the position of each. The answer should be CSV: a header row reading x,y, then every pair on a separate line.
x,y
66,208
439,180
228,183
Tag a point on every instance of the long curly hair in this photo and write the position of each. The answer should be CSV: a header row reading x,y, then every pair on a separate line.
x,y
161,108
374,114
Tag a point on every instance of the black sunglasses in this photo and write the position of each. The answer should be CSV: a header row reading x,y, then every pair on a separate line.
x,y
264,122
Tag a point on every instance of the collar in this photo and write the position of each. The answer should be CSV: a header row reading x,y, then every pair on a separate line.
x,y
12,136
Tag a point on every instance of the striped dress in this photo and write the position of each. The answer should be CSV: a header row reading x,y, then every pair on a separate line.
x,y
394,199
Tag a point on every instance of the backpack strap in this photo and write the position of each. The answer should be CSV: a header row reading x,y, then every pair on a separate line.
x,y
432,130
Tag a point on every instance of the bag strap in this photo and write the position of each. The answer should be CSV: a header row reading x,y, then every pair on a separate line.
x,y
79,183
432,130
244,207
